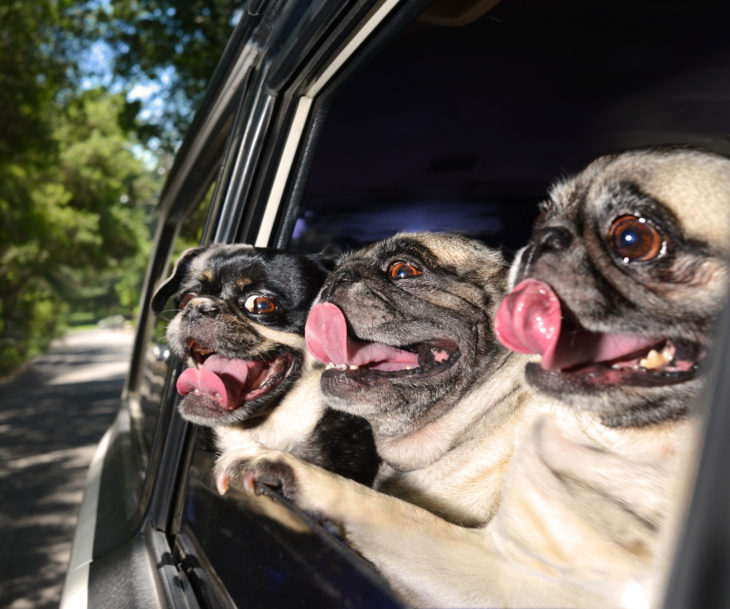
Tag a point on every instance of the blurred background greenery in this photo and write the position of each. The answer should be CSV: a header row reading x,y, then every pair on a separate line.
x,y
94,99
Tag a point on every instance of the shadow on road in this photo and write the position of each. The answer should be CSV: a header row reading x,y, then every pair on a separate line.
x,y
52,416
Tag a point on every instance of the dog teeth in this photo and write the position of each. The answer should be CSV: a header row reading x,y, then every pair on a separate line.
x,y
332,365
654,359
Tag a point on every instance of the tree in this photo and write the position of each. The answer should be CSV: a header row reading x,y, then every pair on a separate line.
x,y
176,43
70,228
75,196
75,193
23,38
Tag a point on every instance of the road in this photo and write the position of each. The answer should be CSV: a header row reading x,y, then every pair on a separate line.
x,y
52,415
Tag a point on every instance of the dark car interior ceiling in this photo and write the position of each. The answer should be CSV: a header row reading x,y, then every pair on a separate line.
x,y
464,128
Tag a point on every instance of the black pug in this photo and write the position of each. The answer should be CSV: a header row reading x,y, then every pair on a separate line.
x,y
240,324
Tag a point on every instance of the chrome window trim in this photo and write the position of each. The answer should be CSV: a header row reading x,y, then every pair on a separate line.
x,y
286,161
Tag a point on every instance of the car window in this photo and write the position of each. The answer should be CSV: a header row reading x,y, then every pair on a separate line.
x,y
423,152
466,128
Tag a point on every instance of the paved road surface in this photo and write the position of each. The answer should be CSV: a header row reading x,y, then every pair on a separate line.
x,y
51,417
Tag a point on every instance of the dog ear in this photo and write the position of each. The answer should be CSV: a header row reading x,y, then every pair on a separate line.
x,y
172,283
327,258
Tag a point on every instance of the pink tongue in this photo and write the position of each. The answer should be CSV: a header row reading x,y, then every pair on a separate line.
x,y
327,340
221,378
529,320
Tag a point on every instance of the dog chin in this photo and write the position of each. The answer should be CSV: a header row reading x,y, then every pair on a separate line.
x,y
619,405
274,377
398,405
204,410
379,400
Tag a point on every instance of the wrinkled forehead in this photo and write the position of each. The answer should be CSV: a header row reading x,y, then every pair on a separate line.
x,y
444,248
224,260
448,254
695,187
401,243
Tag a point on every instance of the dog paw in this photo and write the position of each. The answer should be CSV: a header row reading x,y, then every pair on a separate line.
x,y
255,472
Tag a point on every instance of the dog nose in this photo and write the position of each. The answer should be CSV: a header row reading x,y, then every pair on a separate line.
x,y
201,307
543,241
552,239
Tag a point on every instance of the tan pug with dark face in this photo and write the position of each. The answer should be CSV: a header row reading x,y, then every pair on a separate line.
x,y
405,329
618,293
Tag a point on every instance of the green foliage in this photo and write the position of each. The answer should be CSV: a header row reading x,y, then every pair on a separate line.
x,y
30,74
182,39
76,196
75,213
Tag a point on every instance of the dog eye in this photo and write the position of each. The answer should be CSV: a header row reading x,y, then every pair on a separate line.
x,y
260,304
403,270
186,298
634,238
